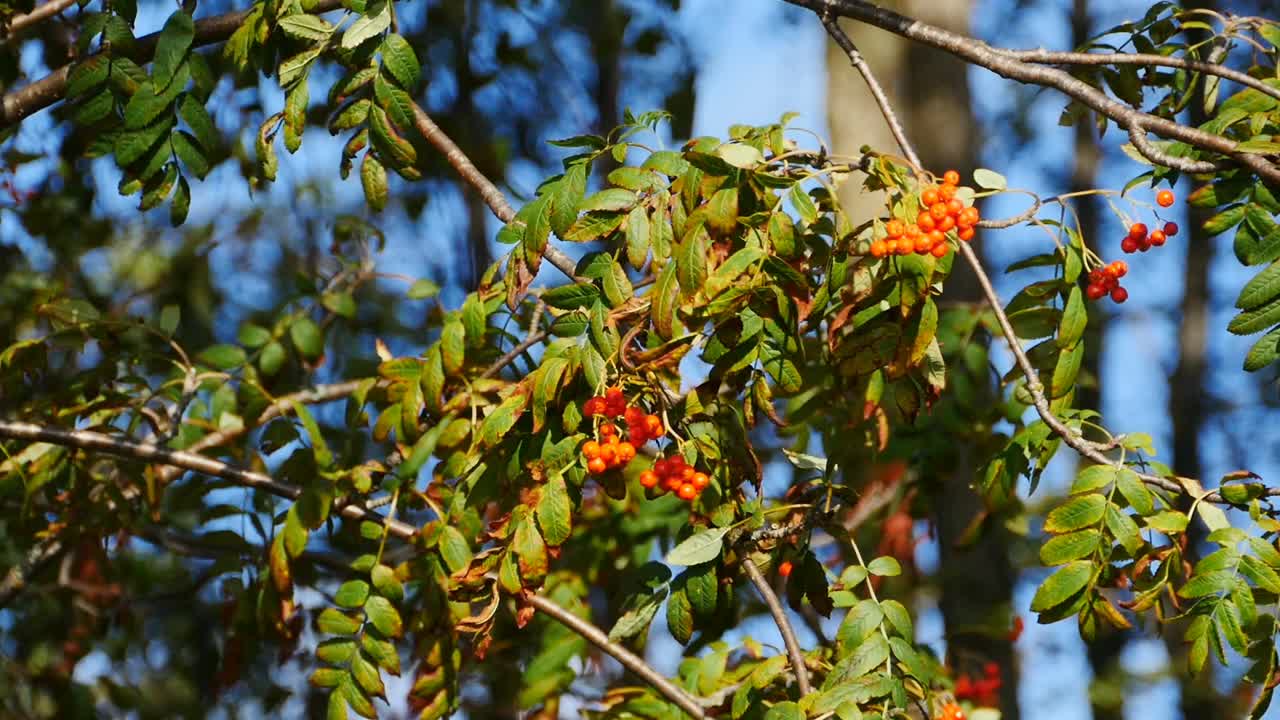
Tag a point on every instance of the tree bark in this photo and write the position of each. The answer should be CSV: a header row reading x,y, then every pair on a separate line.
x,y
930,91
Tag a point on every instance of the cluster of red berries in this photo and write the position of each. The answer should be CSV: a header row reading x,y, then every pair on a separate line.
x,y
1106,281
951,711
675,475
1139,239
941,213
611,451
982,691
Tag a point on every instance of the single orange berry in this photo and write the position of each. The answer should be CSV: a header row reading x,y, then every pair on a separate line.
x,y
929,196
633,415
925,221
951,177
591,450
894,228
653,426
955,206
784,568
626,452
673,483
700,481
913,231
614,392
688,492
937,211
637,436
891,246
924,243
946,224
1164,198
1156,238
608,429
648,479
609,453
1138,231
594,406
687,472
1171,229
966,233
951,711
660,467
968,216
940,250
597,466
879,248
946,192
1119,268
1119,294
905,248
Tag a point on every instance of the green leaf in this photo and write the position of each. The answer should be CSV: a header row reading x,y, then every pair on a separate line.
x,y
1263,288
334,622
1062,585
1258,239
1224,220
786,710
272,358
222,357
302,26
638,232
593,226
567,195
699,548
1124,529
743,157
691,260
722,210
373,178
804,204
337,651
898,617
664,300
1260,573
555,511
376,19
989,179
193,113
885,566
859,624
453,345
367,676
1074,319
146,105
1168,522
324,456
1256,320
352,594
498,422
1066,369
1078,512
1209,583
399,58
538,231
474,321
1094,477
680,615
1135,491
572,297
609,199
295,67
192,157
1264,352
306,337
702,586
1062,549
383,616
385,582
455,549
637,615
171,48
422,289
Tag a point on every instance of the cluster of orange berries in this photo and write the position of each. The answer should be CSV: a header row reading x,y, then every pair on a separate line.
x,y
611,451
982,691
1106,281
942,212
675,475
1139,239
951,711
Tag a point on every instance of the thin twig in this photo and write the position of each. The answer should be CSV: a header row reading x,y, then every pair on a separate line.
x,y
784,625
513,353
89,440
629,660
492,196
882,100
1051,57
18,23
981,54
38,557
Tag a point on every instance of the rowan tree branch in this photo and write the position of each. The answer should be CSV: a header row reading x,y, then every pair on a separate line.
x,y
40,13
30,99
281,406
784,625
629,660
979,53
88,440
36,559
999,61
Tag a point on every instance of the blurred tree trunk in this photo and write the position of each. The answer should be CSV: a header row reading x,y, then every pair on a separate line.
x,y
930,91
1188,410
1106,694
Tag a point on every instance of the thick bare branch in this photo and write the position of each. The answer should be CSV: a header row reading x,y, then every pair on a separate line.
x,y
999,61
1049,57
37,558
784,625
629,660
